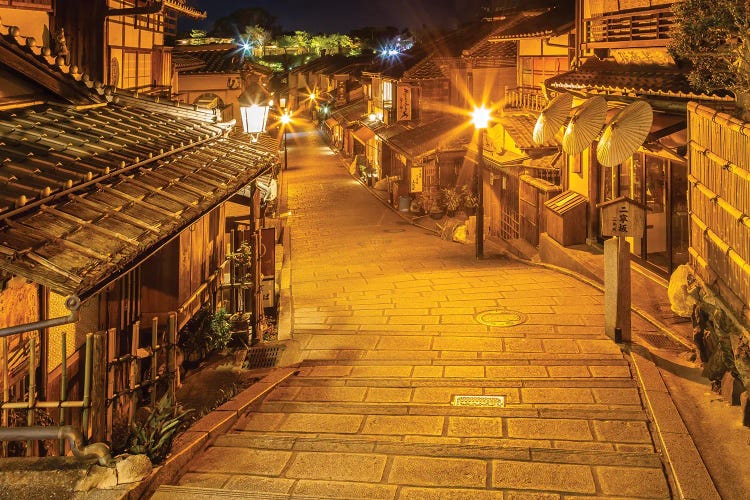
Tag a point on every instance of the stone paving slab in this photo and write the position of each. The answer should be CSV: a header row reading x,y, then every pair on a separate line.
x,y
385,315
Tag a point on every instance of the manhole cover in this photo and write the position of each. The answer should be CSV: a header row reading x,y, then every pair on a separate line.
x,y
397,230
501,317
661,341
482,401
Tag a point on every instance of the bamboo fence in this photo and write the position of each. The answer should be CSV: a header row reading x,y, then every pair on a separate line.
x,y
719,152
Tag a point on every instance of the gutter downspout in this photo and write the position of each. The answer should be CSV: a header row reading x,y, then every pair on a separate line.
x,y
72,303
100,451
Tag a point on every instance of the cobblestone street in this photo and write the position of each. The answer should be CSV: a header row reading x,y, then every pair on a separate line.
x,y
386,316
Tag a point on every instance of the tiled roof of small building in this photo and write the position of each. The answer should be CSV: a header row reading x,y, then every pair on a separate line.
x,y
551,22
85,192
521,129
350,114
213,58
427,69
445,131
638,79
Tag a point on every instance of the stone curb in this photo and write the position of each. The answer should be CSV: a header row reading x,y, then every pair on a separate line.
x,y
203,432
686,467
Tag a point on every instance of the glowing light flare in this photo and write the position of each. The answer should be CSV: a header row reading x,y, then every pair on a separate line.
x,y
373,117
286,118
481,117
254,118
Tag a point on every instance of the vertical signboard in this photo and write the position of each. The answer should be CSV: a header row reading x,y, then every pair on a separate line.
x,y
415,184
403,103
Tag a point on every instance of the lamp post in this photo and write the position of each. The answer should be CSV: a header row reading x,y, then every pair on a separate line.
x,y
312,106
285,119
481,118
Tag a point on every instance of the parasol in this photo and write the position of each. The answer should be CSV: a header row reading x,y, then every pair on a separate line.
x,y
585,125
552,117
625,133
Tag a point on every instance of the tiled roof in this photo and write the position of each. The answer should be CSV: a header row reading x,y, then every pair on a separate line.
x,y
40,65
213,58
86,192
495,50
428,69
350,114
521,129
552,22
386,133
447,131
640,79
394,67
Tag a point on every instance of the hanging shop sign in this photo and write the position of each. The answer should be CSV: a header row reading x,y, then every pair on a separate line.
x,y
415,185
403,104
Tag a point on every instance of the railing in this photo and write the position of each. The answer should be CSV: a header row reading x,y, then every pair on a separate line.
x,y
524,98
28,4
104,396
641,28
29,403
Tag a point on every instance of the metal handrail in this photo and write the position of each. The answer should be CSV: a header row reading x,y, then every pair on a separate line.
x,y
100,451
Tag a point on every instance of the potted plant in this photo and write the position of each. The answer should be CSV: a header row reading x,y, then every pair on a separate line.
x,y
470,199
451,200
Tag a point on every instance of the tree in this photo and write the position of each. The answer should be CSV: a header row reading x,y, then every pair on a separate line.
x,y
714,36
257,36
230,26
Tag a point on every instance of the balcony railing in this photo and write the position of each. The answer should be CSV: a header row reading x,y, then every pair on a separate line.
x,y
524,98
641,28
28,4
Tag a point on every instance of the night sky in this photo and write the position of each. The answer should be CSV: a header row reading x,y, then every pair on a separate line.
x,y
341,16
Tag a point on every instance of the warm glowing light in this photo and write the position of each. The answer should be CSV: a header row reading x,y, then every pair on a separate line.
x,y
254,118
373,117
286,118
481,117
312,96
270,103
282,102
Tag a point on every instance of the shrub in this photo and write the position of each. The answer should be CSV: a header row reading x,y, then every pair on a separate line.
x,y
153,437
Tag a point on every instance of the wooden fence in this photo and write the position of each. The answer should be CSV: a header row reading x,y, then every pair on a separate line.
x,y
719,152
99,387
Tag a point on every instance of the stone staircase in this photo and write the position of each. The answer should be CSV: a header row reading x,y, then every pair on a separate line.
x,y
572,424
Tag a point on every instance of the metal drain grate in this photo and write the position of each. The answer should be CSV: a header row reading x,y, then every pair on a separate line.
x,y
264,356
500,317
480,401
661,341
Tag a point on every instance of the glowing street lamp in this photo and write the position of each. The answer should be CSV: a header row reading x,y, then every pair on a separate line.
x,y
254,104
481,118
286,118
312,105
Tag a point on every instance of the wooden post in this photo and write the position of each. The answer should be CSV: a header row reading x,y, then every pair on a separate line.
x,y
110,371
617,288
154,358
134,342
171,353
98,417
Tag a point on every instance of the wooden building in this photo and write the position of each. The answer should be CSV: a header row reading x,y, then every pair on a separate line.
x,y
122,43
623,57
116,202
214,76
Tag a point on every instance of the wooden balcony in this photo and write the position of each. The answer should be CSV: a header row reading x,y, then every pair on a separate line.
x,y
524,98
638,28
28,4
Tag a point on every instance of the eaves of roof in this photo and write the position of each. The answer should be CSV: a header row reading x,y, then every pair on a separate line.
x,y
86,193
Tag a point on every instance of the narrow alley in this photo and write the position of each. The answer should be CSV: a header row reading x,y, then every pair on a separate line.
x,y
395,330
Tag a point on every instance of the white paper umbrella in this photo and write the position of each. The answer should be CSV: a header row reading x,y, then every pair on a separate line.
x,y
625,133
585,124
552,117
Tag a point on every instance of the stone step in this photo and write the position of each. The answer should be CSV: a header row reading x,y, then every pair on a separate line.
x,y
569,452
489,359
169,492
589,412
557,382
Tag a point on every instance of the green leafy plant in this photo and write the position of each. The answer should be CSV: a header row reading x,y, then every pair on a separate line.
x,y
469,198
206,332
451,198
714,36
153,437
